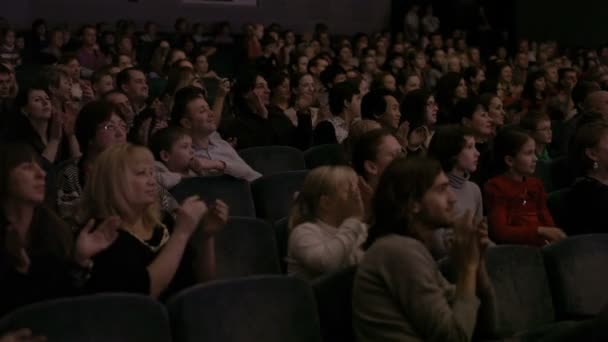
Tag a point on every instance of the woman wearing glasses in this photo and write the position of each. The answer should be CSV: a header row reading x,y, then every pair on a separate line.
x,y
99,126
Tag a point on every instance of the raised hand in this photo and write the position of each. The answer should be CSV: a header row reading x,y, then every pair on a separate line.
x,y
257,104
224,88
189,215
417,137
23,335
56,127
303,102
216,218
367,193
465,245
91,240
484,239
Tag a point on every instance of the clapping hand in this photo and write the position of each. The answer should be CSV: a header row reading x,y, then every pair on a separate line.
x,y
216,218
93,240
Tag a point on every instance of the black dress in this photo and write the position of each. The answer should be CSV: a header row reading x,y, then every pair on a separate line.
x,y
51,273
122,267
587,204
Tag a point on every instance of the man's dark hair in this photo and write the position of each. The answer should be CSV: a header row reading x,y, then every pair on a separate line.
x,y
341,92
181,100
164,139
447,143
374,104
124,77
563,71
405,181
366,148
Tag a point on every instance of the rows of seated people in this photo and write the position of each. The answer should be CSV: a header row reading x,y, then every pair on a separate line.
x,y
130,165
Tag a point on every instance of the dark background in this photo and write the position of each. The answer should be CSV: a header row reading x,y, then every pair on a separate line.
x,y
573,23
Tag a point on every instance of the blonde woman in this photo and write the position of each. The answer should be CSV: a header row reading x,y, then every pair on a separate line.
x,y
148,256
326,228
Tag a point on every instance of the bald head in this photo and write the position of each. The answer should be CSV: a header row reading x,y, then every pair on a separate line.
x,y
597,102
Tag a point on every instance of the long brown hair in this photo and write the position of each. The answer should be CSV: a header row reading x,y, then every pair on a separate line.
x,y
48,234
403,183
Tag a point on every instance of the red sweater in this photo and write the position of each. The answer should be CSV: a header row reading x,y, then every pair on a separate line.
x,y
516,210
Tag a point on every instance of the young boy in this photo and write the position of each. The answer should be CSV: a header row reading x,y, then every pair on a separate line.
x,y
175,160
539,127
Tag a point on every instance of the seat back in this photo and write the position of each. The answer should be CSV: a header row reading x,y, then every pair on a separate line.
x,y
273,194
334,302
321,155
235,192
269,160
246,246
281,229
575,268
266,308
99,318
523,296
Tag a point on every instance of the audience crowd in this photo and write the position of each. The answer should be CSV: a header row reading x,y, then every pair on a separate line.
x,y
445,138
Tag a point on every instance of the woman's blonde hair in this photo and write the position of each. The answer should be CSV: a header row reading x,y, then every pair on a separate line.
x,y
105,190
322,181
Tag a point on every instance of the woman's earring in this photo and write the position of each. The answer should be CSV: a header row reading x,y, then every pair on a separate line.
x,y
596,165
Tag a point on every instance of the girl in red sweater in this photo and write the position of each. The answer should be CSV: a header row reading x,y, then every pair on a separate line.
x,y
516,201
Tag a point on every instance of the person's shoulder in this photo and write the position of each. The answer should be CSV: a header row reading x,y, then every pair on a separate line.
x,y
394,244
535,182
496,182
306,227
473,188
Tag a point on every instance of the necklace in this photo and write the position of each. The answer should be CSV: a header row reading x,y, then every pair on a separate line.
x,y
160,244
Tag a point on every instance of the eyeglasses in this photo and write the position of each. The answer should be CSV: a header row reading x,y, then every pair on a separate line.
x,y
113,127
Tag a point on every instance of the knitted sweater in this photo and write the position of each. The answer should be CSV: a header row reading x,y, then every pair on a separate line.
x,y
317,248
400,295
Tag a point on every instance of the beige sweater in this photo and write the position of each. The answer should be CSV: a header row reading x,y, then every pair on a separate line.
x,y
400,295
316,248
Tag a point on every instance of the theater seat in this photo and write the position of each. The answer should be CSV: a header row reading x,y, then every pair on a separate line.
x,y
265,309
235,192
334,302
576,272
99,318
281,229
246,246
273,195
523,297
269,160
330,154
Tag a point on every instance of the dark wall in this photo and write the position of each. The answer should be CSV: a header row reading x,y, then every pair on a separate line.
x,y
343,16
572,23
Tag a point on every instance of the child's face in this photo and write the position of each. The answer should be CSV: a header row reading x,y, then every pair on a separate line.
x,y
524,163
178,159
468,158
543,134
